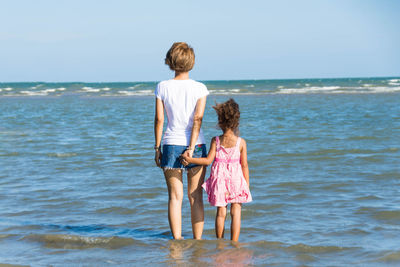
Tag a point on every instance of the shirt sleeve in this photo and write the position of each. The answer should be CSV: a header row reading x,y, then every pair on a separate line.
x,y
203,91
158,92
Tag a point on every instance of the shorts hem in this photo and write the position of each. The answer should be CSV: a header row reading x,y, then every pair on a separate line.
x,y
166,168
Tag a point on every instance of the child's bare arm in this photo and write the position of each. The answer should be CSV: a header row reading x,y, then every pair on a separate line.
x,y
243,161
203,161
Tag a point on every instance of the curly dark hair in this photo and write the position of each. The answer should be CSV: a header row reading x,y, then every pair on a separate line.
x,y
228,115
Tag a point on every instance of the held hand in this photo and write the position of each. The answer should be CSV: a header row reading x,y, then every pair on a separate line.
x,y
157,157
185,157
188,153
184,162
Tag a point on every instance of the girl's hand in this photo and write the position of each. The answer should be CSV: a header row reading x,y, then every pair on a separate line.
x,y
157,157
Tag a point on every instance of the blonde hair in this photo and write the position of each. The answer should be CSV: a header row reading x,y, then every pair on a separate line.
x,y
180,57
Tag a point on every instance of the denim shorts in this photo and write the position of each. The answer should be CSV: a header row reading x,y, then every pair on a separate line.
x,y
171,156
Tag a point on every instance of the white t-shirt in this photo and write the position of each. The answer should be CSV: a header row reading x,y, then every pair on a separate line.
x,y
180,99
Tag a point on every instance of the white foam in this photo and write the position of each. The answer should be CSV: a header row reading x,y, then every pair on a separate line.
x,y
50,90
138,93
90,89
37,86
6,88
233,91
30,93
106,89
324,88
61,89
385,89
135,86
394,80
313,89
393,83
293,91
127,92
145,91
221,91
338,90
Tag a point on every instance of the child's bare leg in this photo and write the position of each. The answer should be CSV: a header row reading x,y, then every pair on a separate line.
x,y
195,194
220,222
236,213
173,179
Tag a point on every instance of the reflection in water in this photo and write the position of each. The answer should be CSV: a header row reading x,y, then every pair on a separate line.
x,y
232,254
176,249
214,253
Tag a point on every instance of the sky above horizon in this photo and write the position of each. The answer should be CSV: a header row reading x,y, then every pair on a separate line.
x,y
111,41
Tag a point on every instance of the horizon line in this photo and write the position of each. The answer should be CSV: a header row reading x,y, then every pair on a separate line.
x,y
202,80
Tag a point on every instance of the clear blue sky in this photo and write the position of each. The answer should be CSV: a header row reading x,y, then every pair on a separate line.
x,y
95,40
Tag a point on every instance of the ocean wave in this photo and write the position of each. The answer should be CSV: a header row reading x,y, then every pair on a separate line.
x,y
390,257
61,155
36,87
308,155
32,93
367,86
116,210
135,86
94,90
313,89
369,197
324,88
339,90
50,90
387,215
136,93
233,91
384,89
303,248
65,241
90,89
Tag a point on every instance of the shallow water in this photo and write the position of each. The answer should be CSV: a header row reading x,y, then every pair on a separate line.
x,y
78,185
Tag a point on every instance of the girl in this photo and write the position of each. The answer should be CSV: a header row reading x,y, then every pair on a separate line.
x,y
229,178
183,100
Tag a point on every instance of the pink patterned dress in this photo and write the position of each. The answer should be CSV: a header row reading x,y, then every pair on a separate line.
x,y
226,183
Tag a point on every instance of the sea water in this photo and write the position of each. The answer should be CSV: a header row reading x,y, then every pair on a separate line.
x,y
79,186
